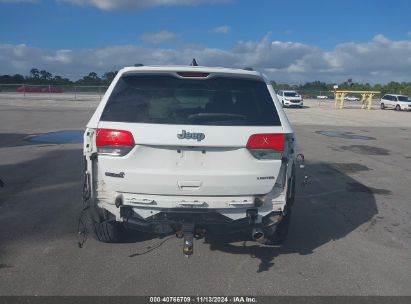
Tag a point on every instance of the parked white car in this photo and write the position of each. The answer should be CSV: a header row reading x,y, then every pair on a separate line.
x,y
189,149
322,97
397,102
351,98
290,98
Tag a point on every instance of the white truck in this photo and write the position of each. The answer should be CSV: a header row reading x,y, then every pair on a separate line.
x,y
192,150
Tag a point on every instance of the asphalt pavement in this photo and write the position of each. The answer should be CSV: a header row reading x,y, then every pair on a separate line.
x,y
350,231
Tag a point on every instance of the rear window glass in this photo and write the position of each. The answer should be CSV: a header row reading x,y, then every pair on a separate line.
x,y
165,99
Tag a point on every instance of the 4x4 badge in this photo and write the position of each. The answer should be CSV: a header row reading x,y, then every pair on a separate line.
x,y
189,135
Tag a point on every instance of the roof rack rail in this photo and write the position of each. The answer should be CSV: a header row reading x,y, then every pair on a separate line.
x,y
248,69
138,64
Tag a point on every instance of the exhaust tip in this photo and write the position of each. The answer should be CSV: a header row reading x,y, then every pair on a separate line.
x,y
258,235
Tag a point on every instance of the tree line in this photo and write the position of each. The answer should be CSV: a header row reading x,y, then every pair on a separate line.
x,y
43,77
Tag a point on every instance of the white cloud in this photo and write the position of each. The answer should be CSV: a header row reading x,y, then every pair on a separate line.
x,y
225,29
381,39
60,56
379,60
109,5
159,37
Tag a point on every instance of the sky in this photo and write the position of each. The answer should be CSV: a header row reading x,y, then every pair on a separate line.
x,y
291,41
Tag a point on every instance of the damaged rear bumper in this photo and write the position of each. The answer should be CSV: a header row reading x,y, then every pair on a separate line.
x,y
161,214
203,220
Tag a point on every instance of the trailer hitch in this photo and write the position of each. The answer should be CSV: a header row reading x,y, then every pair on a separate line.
x,y
187,231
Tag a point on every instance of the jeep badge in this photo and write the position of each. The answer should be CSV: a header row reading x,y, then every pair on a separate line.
x,y
188,135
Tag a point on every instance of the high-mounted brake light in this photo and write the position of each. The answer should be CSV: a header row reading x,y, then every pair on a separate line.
x,y
266,141
193,74
114,142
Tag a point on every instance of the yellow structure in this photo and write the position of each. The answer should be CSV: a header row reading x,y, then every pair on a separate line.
x,y
366,97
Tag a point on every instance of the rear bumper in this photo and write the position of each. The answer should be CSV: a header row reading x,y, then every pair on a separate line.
x,y
293,103
159,214
232,207
174,220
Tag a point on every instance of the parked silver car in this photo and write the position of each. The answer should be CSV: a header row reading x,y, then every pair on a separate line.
x,y
395,101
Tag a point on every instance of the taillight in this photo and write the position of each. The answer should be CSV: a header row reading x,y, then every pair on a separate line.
x,y
266,146
266,141
114,142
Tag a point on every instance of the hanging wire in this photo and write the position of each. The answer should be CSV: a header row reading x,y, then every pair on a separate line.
x,y
82,229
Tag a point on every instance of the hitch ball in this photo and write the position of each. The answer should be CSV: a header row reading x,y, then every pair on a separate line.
x,y
188,247
188,231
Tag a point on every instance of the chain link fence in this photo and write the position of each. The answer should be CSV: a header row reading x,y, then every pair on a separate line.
x,y
53,92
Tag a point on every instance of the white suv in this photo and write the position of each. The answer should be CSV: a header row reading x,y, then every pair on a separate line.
x,y
290,98
394,101
189,149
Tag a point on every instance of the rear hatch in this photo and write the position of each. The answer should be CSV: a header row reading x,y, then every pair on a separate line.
x,y
190,133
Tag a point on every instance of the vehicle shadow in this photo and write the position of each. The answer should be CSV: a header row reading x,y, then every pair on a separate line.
x,y
329,208
45,192
41,196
